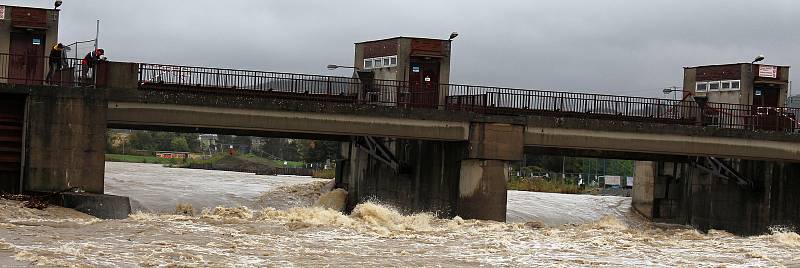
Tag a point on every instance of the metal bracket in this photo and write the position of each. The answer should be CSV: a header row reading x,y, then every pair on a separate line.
x,y
378,150
722,170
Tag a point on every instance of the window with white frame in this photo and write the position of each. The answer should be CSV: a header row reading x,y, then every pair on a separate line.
x,y
701,87
726,85
713,86
736,85
380,62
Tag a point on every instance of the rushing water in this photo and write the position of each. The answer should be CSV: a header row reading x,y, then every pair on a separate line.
x,y
581,231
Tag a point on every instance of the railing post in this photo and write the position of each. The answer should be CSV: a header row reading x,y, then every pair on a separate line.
x,y
658,110
329,86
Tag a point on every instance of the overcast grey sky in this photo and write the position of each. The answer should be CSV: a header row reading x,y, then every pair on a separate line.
x,y
631,47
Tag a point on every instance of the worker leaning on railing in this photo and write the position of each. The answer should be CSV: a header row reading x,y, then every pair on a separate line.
x,y
56,60
90,61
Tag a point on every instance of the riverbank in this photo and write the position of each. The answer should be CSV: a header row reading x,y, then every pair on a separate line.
x,y
240,163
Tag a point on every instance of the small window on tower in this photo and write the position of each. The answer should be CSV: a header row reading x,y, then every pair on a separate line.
x,y
378,63
387,62
726,85
702,87
368,64
713,86
735,85
393,60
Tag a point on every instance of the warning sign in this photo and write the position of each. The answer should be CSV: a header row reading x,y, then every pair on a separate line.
x,y
768,71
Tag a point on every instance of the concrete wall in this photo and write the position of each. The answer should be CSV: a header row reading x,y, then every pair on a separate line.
x,y
658,139
449,178
65,139
427,179
682,193
643,188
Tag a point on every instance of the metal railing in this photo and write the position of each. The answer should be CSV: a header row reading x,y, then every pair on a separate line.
x,y
40,70
285,85
510,101
30,70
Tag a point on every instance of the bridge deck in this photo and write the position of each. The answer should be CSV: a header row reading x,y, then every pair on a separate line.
x,y
477,99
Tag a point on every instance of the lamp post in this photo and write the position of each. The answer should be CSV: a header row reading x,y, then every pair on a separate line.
x,y
673,90
334,67
753,76
757,59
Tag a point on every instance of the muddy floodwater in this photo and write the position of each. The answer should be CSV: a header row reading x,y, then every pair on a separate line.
x,y
270,221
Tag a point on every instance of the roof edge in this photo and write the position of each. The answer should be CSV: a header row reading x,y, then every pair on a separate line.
x,y
400,37
728,64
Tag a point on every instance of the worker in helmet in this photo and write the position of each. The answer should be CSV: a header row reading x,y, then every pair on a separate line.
x,y
56,60
90,61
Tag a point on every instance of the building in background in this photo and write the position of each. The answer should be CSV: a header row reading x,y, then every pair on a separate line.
x,y
740,83
423,62
26,36
759,89
793,101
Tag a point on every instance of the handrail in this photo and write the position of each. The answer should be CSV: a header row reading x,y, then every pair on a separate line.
x,y
472,98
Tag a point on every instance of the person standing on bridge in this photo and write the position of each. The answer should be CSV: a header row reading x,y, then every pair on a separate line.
x,y
56,61
90,61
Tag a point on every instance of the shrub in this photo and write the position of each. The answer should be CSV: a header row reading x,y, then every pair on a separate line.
x,y
325,174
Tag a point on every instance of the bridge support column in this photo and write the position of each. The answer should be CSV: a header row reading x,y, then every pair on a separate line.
x,y
450,178
65,140
482,184
740,196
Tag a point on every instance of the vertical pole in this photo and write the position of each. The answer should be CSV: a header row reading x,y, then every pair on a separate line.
x,y
96,46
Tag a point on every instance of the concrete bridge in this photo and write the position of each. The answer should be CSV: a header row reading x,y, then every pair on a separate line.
x,y
446,150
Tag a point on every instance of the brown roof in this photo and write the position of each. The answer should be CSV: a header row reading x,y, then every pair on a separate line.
x,y
727,64
401,37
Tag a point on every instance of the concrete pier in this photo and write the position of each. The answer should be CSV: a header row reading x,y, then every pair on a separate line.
x,y
747,200
449,178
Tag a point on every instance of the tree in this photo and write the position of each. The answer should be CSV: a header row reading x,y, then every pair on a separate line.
x,y
284,149
313,151
179,144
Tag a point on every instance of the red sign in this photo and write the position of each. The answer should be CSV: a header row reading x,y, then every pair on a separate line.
x,y
768,71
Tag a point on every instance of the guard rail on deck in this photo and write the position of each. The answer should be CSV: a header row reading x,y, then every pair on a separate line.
x,y
30,70
33,70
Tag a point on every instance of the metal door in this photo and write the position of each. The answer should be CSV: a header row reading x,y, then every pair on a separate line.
x,y
765,102
27,62
423,81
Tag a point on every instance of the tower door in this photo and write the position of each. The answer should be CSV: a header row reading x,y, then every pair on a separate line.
x,y
26,63
765,99
423,81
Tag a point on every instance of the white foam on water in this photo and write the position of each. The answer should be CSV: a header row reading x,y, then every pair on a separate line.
x,y
374,235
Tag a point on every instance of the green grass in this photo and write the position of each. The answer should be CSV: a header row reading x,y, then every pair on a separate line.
x,y
142,159
539,185
210,160
132,158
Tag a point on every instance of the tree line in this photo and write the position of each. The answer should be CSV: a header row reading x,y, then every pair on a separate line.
x,y
141,142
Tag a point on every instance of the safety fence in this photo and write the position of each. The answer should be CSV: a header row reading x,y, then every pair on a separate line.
x,y
41,70
70,72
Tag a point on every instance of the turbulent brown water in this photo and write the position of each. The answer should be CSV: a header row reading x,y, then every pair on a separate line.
x,y
373,235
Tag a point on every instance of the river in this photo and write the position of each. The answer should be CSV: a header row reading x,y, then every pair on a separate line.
x,y
580,231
